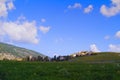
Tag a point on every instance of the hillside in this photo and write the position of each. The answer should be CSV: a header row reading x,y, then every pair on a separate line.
x,y
99,57
10,52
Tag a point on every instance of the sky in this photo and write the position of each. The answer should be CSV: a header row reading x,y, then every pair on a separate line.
x,y
61,27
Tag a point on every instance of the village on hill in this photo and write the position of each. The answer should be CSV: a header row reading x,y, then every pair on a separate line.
x,y
5,56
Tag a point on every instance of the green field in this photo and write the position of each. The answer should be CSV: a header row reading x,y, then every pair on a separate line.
x,y
103,66
11,70
102,57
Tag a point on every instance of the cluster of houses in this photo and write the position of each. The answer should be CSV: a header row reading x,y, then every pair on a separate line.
x,y
82,53
60,58
78,54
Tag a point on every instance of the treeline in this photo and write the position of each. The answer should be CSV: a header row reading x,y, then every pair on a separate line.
x,y
59,58
55,58
38,58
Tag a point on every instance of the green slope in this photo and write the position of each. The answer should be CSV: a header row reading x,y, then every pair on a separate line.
x,y
100,57
17,51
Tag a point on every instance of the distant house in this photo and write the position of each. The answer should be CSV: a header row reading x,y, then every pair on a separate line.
x,y
30,57
73,55
82,53
19,59
63,58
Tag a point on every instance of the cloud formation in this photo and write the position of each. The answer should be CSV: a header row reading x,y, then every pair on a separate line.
x,y
94,48
5,6
88,9
43,20
44,29
75,6
20,31
113,10
117,34
114,48
10,5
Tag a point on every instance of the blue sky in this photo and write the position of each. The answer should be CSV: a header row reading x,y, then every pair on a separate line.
x,y
61,27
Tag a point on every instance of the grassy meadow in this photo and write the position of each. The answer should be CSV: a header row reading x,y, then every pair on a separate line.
x,y
12,70
102,57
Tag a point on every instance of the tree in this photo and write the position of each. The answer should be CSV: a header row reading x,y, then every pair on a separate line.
x,y
46,58
39,58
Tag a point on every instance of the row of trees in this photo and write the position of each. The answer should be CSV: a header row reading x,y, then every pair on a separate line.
x,y
58,58
38,58
61,58
55,58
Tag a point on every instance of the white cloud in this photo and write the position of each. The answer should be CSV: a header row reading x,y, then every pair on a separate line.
x,y
20,32
5,6
75,6
107,37
118,34
114,48
10,5
1,30
21,18
94,48
43,20
111,11
88,9
44,29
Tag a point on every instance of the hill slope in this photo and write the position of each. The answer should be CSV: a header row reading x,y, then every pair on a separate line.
x,y
10,51
99,57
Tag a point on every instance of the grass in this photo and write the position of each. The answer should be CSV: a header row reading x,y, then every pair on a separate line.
x,y
11,70
104,66
100,57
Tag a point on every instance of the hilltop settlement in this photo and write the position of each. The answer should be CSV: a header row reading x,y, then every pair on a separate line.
x,y
5,56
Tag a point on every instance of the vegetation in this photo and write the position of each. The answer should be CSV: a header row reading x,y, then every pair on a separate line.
x,y
90,66
102,57
17,51
11,70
